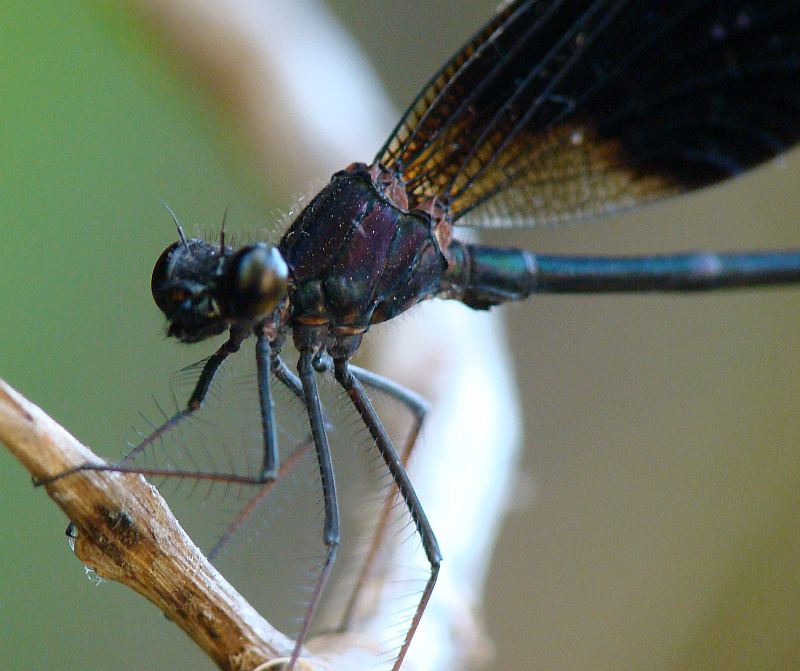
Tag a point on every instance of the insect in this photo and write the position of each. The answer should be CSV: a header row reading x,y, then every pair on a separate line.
x,y
552,112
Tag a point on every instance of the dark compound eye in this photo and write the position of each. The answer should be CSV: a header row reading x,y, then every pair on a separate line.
x,y
162,273
256,280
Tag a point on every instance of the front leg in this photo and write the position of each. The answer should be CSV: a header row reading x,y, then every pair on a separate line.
x,y
237,335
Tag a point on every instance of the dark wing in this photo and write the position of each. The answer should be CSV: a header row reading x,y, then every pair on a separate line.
x,y
575,108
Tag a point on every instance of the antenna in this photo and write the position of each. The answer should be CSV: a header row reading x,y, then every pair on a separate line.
x,y
222,230
177,225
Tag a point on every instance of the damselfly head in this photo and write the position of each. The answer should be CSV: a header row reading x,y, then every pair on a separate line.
x,y
203,288
184,284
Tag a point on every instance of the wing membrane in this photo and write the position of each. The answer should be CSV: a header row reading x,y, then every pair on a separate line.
x,y
577,108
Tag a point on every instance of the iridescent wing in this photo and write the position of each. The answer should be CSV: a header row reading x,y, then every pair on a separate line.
x,y
572,109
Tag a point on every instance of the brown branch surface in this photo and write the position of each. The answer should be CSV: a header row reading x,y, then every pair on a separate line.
x,y
126,532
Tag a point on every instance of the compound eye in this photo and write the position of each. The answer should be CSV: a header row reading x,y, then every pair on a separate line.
x,y
257,280
162,275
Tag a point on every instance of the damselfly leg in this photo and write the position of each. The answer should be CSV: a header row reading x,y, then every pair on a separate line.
x,y
394,463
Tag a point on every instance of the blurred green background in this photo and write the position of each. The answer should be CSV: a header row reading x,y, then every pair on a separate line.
x,y
661,433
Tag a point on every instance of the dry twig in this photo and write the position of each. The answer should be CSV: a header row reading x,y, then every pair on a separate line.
x,y
126,532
